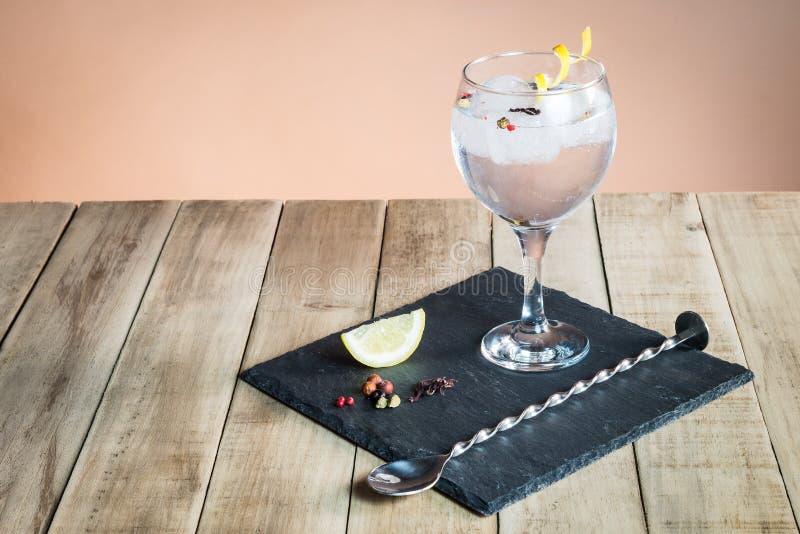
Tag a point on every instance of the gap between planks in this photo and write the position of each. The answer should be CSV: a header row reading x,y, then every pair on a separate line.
x,y
116,360
236,379
574,264
31,232
422,233
258,481
372,313
57,356
162,407
756,237
713,469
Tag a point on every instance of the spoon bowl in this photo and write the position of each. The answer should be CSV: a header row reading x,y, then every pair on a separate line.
x,y
406,477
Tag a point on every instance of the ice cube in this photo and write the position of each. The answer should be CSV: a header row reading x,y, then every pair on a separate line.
x,y
594,120
483,138
561,109
469,133
508,83
523,145
496,105
595,129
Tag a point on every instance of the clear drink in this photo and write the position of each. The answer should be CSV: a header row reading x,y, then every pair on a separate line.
x,y
532,156
539,172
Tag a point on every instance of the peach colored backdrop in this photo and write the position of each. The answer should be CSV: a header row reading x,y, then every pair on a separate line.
x,y
110,99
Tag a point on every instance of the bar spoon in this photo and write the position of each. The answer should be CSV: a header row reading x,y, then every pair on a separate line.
x,y
407,477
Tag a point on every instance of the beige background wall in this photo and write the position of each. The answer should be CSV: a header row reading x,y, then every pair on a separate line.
x,y
108,99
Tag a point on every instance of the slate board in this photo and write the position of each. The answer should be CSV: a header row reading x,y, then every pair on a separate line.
x,y
536,453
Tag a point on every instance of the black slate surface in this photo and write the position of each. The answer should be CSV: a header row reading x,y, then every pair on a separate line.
x,y
537,452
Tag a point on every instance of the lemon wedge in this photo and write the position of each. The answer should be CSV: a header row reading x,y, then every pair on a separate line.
x,y
386,342
586,41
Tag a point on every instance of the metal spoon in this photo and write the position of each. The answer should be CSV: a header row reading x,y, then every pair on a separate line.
x,y
406,477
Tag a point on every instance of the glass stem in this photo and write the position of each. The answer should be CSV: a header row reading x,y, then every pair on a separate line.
x,y
533,242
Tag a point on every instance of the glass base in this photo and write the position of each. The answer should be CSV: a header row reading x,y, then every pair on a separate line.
x,y
559,346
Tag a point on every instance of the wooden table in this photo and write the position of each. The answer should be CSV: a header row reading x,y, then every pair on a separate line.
x,y
124,326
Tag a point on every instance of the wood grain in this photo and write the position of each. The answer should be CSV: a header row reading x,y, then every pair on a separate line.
x,y
148,457
714,469
428,245
756,241
277,471
28,233
58,355
149,454
573,263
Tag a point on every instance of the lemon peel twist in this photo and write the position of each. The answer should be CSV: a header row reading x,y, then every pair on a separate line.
x,y
586,41
544,82
541,81
563,56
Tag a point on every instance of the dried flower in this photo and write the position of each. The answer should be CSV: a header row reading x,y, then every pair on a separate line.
x,y
526,111
431,386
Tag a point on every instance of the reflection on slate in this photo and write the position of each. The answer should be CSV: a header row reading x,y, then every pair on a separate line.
x,y
537,452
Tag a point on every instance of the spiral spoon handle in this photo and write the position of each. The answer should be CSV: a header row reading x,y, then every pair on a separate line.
x,y
691,329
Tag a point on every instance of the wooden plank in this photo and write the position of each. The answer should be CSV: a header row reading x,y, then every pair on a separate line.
x,y
756,242
580,502
28,233
58,355
276,471
428,244
714,469
149,454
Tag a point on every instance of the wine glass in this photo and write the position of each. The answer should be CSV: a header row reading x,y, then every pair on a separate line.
x,y
532,157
